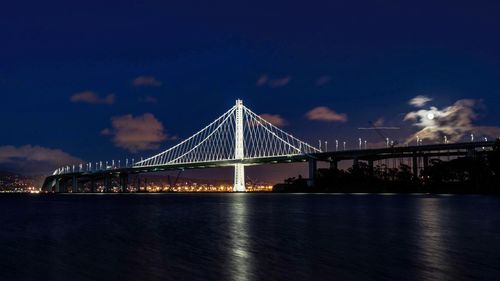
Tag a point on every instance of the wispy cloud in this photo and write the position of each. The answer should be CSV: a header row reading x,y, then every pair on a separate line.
x,y
145,80
323,113
323,80
274,119
454,121
92,98
419,101
264,80
135,134
379,122
34,159
149,99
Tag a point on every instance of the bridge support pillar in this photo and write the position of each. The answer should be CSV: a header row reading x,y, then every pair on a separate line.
x,y
107,183
239,178
312,172
415,166
471,153
334,165
92,185
74,185
57,188
64,185
355,163
124,182
426,162
137,183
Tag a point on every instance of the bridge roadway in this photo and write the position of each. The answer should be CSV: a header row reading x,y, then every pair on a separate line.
x,y
52,182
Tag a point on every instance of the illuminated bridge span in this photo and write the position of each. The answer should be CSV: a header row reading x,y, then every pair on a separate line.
x,y
240,138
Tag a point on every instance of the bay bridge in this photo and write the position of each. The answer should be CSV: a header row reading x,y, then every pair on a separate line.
x,y
240,138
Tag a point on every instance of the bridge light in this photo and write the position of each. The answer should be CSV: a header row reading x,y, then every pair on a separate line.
x,y
336,145
360,142
344,146
472,137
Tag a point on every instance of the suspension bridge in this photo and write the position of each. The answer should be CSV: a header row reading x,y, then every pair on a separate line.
x,y
240,138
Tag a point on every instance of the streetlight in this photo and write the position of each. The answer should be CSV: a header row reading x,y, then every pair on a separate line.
x,y
360,142
344,146
418,140
472,137
336,145
326,145
387,142
445,140
365,144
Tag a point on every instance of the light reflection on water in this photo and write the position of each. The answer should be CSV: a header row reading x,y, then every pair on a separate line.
x,y
240,240
249,237
432,250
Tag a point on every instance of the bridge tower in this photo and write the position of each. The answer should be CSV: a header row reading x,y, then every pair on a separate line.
x,y
239,152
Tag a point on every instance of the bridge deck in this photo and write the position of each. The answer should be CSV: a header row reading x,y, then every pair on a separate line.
x,y
434,150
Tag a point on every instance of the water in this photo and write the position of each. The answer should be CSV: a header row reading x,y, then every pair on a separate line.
x,y
249,237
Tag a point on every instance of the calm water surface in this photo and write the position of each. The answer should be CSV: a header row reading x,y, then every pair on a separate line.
x,y
249,237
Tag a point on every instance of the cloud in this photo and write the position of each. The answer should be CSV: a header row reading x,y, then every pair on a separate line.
x,y
379,122
29,159
92,98
264,80
454,121
419,101
135,134
323,80
274,119
323,113
144,80
149,99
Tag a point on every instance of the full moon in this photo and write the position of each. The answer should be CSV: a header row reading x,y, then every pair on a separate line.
x,y
430,116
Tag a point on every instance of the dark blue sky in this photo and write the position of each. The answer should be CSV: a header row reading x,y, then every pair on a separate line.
x,y
361,58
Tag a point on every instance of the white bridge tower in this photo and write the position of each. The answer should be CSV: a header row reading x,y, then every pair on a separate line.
x,y
239,152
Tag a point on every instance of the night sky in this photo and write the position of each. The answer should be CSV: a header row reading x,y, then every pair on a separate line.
x,y
102,80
